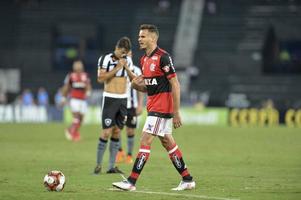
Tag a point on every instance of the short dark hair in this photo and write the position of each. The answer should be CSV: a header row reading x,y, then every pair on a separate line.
x,y
125,43
150,27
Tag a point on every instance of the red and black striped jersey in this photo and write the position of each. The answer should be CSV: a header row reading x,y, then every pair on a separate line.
x,y
157,69
78,83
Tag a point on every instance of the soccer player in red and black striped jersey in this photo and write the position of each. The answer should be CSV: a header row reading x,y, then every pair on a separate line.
x,y
159,81
77,86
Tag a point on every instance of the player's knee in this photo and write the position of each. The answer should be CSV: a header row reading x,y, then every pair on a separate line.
x,y
115,132
106,134
130,132
167,142
145,142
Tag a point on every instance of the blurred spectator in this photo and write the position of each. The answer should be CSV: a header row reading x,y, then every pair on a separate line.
x,y
237,100
285,56
58,98
211,7
27,98
42,97
163,6
3,98
268,104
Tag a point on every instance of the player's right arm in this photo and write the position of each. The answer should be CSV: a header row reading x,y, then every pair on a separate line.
x,y
139,108
138,83
65,89
102,73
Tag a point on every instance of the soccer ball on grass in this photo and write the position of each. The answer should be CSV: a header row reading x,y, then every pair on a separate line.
x,y
54,181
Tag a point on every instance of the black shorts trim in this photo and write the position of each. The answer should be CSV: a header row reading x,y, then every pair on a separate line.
x,y
162,115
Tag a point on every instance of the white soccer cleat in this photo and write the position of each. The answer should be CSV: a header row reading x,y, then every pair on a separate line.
x,y
185,186
68,134
124,185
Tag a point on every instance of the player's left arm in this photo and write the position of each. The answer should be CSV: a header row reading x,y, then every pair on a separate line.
x,y
168,69
65,89
176,95
139,108
88,88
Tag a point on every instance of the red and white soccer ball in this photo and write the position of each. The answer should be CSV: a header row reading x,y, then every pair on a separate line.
x,y
54,181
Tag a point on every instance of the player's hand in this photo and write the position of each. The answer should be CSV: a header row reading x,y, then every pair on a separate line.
x,y
63,101
177,122
139,110
122,62
138,80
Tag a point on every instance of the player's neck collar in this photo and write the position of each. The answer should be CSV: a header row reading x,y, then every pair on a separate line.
x,y
114,56
153,52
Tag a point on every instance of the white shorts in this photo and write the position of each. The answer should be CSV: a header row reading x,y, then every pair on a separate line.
x,y
78,105
158,126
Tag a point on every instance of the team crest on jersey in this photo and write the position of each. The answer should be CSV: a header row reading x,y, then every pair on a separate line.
x,y
152,67
108,121
166,68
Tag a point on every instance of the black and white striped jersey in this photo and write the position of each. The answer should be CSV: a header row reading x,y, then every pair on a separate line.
x,y
132,93
108,63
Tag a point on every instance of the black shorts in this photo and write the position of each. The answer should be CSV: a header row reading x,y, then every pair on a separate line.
x,y
131,120
114,112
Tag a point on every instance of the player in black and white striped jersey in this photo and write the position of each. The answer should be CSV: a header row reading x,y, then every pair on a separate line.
x,y
134,109
111,72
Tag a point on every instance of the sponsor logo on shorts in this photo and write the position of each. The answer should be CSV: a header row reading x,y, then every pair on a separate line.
x,y
149,127
108,122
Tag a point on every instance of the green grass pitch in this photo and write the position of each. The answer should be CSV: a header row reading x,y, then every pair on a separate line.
x,y
226,163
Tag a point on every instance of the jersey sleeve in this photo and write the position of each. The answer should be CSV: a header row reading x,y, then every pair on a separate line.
x,y
167,67
102,62
88,81
67,79
130,63
137,71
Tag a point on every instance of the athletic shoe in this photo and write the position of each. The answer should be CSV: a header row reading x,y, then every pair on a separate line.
x,y
114,170
76,137
129,159
68,134
124,185
97,170
120,157
185,186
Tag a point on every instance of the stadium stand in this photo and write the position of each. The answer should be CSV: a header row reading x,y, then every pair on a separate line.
x,y
230,42
29,40
228,53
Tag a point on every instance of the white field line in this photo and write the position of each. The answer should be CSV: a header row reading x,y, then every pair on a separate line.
x,y
177,194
